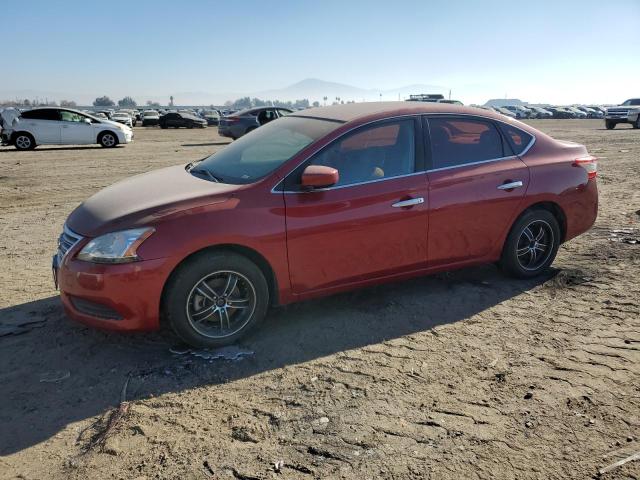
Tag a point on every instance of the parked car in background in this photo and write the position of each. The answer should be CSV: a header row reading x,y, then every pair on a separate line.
x,y
590,112
505,111
576,112
561,112
212,117
540,112
60,126
627,112
318,202
244,121
518,111
150,117
178,120
122,117
451,102
134,114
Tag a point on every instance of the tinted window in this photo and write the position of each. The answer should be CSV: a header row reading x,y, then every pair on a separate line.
x,y
371,153
459,141
41,114
253,156
517,139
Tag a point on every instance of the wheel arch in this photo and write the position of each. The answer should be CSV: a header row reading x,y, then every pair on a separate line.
x,y
253,255
552,207
102,132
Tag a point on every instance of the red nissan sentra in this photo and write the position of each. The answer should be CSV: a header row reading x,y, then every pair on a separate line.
x,y
318,202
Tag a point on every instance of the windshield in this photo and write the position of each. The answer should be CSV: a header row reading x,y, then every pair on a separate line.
x,y
259,153
633,101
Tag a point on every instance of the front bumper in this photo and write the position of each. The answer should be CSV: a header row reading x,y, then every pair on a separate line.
x,y
124,297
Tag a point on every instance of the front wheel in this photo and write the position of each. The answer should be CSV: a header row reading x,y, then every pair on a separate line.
x,y
108,140
610,125
532,244
215,298
636,124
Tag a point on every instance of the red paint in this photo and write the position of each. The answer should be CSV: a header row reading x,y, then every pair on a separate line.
x,y
322,242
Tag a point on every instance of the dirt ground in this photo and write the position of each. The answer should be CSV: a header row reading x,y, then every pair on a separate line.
x,y
456,376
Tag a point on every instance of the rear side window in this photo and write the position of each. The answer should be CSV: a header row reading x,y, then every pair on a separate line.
x,y
517,139
41,114
461,141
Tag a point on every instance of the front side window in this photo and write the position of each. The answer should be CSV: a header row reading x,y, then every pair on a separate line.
x,y
371,153
461,141
66,116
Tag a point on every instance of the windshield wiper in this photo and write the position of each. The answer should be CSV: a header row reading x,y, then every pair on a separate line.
x,y
206,172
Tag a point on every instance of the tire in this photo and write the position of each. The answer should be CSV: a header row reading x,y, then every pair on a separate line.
x,y
24,141
636,125
108,139
164,127
609,125
523,255
194,309
190,125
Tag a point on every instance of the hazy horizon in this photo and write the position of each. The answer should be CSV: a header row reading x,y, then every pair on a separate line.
x,y
542,52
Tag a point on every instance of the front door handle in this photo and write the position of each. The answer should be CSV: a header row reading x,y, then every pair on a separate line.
x,y
510,185
408,203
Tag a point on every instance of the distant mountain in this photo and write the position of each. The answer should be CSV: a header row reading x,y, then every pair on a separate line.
x,y
315,90
312,89
501,102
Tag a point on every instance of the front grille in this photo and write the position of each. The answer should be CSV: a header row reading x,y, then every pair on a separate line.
x,y
66,241
94,309
617,111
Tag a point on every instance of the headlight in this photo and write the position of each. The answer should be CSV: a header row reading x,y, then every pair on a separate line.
x,y
115,247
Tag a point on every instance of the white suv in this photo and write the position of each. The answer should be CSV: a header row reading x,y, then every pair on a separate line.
x,y
61,126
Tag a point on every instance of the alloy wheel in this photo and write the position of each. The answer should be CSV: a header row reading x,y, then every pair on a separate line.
x,y
221,304
108,140
23,142
535,245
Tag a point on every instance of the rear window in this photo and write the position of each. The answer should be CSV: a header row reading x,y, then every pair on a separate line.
x,y
517,139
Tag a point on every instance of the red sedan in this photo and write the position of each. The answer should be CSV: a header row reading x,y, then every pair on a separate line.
x,y
318,202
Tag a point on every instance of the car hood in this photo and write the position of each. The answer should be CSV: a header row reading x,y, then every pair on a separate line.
x,y
145,199
111,123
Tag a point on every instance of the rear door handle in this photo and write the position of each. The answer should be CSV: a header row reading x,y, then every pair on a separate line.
x,y
510,185
408,203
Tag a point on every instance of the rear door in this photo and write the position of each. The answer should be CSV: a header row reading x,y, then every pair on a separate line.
x,y
44,124
476,185
373,222
75,131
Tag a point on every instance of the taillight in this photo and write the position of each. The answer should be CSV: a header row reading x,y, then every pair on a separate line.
x,y
589,163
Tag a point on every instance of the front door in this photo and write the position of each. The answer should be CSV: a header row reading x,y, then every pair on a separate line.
x,y
475,187
75,129
372,223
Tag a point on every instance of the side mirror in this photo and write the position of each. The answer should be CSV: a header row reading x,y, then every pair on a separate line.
x,y
319,176
87,120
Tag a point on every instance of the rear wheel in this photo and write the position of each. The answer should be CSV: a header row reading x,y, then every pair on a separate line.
x,y
216,298
532,244
24,141
609,125
108,139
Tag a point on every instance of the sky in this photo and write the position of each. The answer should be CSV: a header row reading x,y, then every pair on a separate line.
x,y
540,51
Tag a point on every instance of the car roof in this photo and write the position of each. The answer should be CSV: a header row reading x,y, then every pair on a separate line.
x,y
349,112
